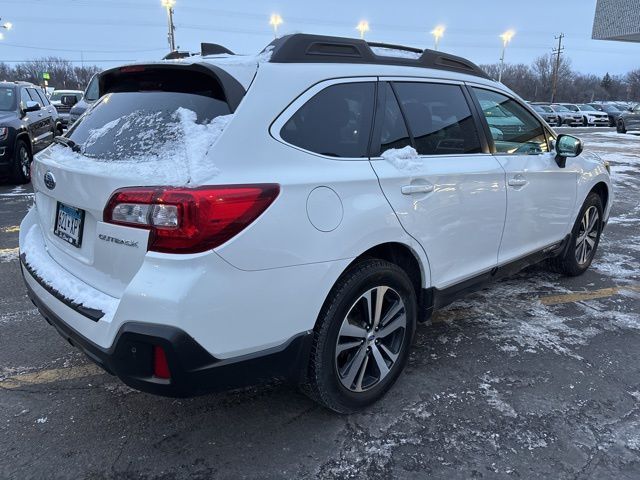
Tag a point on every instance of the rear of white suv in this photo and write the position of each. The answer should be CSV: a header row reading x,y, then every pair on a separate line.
x,y
213,223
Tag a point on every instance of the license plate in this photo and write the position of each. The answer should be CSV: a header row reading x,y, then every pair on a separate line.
x,y
69,223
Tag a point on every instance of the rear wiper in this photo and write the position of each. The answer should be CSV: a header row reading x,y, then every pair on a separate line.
x,y
67,142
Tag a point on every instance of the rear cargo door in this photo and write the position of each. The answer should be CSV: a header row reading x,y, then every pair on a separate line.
x,y
152,126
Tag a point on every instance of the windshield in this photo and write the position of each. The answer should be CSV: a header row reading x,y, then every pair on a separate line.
x,y
560,108
610,108
7,99
542,108
572,108
142,125
587,108
58,94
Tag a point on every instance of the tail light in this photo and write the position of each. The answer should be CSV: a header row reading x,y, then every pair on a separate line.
x,y
189,220
160,364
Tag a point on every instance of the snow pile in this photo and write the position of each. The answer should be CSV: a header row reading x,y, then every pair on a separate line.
x,y
62,281
394,52
173,153
403,158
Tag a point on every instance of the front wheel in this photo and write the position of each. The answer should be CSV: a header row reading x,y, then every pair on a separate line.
x,y
363,337
21,168
584,241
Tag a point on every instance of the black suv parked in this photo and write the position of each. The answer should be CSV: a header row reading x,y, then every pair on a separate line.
x,y
28,123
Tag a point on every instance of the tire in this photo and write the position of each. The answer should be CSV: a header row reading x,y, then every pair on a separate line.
x,y
346,372
585,122
584,241
21,168
620,128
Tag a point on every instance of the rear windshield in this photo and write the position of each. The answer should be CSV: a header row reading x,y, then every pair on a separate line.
x,y
142,124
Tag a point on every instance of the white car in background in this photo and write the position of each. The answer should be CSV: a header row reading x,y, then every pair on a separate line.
x,y
64,100
222,220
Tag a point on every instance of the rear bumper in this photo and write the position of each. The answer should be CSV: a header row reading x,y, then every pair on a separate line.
x,y
193,370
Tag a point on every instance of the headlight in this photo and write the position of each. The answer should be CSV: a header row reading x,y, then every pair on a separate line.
x,y
4,131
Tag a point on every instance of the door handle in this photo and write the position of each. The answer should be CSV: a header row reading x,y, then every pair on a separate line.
x,y
413,189
518,181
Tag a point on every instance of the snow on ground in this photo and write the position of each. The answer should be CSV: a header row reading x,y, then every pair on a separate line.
x,y
8,254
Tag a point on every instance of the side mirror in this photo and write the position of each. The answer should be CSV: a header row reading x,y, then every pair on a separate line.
x,y
31,106
567,146
69,100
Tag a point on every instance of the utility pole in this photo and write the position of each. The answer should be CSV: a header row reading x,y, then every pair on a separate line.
x,y
556,70
171,36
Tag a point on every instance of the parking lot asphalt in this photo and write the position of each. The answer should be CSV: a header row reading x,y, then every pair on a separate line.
x,y
536,376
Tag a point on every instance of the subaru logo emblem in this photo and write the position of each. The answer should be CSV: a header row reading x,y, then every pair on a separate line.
x,y
50,180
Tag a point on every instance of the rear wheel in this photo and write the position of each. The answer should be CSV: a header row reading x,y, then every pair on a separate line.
x,y
584,240
363,337
620,127
21,168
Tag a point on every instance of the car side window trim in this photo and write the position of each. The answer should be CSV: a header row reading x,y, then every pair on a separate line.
x,y
276,126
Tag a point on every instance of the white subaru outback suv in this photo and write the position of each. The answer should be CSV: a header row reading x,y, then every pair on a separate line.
x,y
220,220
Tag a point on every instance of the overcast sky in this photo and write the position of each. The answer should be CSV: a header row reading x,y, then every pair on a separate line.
x,y
107,32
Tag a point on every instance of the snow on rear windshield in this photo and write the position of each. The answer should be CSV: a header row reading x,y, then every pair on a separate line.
x,y
141,125
167,141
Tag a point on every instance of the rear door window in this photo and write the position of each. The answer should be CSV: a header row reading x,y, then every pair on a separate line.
x,y
513,128
336,122
439,118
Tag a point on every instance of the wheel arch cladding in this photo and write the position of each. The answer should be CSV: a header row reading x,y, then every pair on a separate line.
x,y
24,136
603,191
399,254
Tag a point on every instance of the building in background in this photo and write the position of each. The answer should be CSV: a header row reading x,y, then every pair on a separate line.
x,y
617,20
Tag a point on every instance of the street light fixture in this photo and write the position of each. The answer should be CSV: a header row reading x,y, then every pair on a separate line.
x,y
437,33
275,21
171,36
506,39
363,27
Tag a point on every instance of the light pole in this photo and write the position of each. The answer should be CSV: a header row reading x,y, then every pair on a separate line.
x,y
362,27
171,36
275,21
437,33
6,26
506,38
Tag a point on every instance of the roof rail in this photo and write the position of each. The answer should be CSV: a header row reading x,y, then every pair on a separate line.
x,y
214,49
307,48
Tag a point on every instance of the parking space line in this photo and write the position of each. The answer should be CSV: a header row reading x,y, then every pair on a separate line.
x,y
592,295
13,229
50,376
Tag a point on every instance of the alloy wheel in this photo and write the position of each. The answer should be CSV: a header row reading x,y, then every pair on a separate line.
x,y
25,162
587,235
371,339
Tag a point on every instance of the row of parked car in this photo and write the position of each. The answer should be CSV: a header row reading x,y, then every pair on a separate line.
x,y
597,114
30,119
